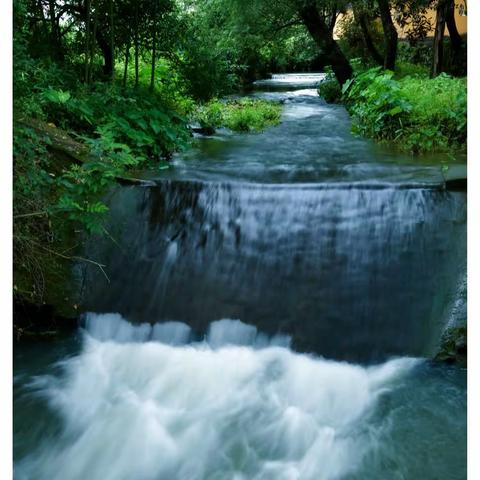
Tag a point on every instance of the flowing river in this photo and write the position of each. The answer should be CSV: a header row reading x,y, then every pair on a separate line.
x,y
272,304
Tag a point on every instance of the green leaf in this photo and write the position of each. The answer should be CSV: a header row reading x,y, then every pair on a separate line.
x,y
156,125
56,96
396,110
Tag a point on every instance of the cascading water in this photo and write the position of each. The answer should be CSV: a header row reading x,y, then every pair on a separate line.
x,y
239,287
290,80
349,273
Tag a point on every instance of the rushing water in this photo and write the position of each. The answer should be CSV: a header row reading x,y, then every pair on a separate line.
x,y
270,306
289,80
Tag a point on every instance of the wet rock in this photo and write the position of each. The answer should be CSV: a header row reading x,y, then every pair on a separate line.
x,y
456,185
455,177
453,348
203,130
39,322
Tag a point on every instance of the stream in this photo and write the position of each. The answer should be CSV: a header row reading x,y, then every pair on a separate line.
x,y
271,307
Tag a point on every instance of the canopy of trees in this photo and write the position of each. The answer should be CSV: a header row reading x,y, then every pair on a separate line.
x,y
216,43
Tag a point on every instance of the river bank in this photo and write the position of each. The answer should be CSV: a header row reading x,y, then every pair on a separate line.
x,y
277,295
397,108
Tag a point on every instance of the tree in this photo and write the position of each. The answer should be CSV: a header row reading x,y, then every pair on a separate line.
x,y
455,39
322,34
437,65
390,35
360,17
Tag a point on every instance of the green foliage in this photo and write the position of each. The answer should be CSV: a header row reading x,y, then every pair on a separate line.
x,y
244,115
56,195
402,110
329,89
419,54
376,103
439,112
56,96
123,129
252,115
210,115
352,40
405,69
37,233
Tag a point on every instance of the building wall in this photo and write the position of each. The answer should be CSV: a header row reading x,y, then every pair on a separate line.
x,y
460,19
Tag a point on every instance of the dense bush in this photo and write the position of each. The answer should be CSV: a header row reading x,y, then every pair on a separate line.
x,y
251,115
417,113
329,89
405,69
243,115
420,54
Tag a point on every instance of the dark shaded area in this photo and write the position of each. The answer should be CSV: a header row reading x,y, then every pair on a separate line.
x,y
39,322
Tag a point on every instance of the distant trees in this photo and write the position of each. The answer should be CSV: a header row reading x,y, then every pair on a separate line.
x,y
107,27
217,42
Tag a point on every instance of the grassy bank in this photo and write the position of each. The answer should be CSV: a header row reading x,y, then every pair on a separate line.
x,y
409,109
244,115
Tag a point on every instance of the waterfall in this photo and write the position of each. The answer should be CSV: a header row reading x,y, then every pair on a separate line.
x,y
349,273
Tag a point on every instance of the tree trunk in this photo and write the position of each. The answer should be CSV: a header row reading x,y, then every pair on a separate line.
x,y
320,33
112,45
44,21
127,58
390,35
437,65
87,40
360,17
136,44
92,42
107,54
57,52
154,52
332,20
51,13
455,38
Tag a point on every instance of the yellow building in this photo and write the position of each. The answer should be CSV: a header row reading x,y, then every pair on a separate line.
x,y
460,20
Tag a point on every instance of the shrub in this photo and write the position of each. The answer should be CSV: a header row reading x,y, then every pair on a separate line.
x,y
418,113
243,115
405,69
377,103
251,115
210,115
329,89
419,54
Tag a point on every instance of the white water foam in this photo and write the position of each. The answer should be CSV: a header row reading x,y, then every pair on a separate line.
x,y
291,79
153,411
